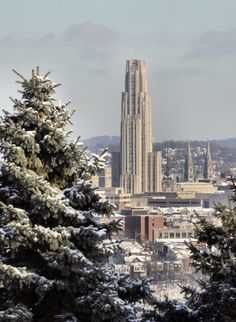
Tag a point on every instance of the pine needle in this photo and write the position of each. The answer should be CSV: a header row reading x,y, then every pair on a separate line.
x,y
56,85
18,74
46,75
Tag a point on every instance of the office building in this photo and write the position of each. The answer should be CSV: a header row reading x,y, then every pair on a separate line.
x,y
140,222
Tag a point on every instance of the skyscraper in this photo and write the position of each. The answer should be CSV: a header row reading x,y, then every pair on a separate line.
x,y
115,169
188,167
208,166
139,165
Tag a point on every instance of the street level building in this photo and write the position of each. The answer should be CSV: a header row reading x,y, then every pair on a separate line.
x,y
173,233
196,187
117,197
140,222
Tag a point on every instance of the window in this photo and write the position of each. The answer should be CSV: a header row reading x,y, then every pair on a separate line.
x,y
160,235
172,235
183,235
165,235
177,235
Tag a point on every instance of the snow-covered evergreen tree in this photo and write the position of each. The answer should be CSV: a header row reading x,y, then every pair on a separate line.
x,y
53,252
214,256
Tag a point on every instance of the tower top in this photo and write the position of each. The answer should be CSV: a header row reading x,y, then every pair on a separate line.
x,y
189,150
136,76
135,60
208,151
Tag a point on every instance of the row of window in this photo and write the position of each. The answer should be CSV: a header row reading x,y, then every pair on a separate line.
x,y
174,235
139,268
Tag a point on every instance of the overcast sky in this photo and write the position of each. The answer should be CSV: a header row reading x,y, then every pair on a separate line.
x,y
189,47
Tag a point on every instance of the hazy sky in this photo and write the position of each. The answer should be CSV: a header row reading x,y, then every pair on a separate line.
x,y
189,47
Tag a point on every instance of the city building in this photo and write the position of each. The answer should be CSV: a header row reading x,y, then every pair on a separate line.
x,y
180,233
175,202
166,200
210,199
117,197
105,178
115,169
169,183
154,172
196,187
163,261
140,167
140,222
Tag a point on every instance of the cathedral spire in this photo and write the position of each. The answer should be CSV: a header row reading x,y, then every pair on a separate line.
x,y
188,169
208,166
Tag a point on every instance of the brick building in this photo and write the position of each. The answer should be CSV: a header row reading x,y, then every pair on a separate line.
x,y
141,222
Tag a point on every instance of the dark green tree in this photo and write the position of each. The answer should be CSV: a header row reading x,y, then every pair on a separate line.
x,y
214,256
53,251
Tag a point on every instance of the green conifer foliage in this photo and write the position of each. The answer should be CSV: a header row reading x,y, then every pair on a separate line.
x,y
53,251
214,255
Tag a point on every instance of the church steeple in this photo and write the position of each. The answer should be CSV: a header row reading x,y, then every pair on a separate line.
x,y
188,169
208,166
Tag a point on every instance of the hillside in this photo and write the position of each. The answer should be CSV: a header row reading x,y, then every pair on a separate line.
x,y
100,142
113,143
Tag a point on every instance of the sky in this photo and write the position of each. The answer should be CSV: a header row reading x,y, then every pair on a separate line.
x,y
189,47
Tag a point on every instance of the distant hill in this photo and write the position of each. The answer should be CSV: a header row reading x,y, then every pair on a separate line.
x,y
100,142
113,143
227,143
224,143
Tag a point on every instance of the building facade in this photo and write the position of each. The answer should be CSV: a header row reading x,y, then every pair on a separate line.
x,y
141,222
117,197
138,163
175,233
154,172
115,169
105,180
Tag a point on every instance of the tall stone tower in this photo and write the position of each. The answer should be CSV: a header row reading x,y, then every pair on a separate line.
x,y
136,132
188,167
208,172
